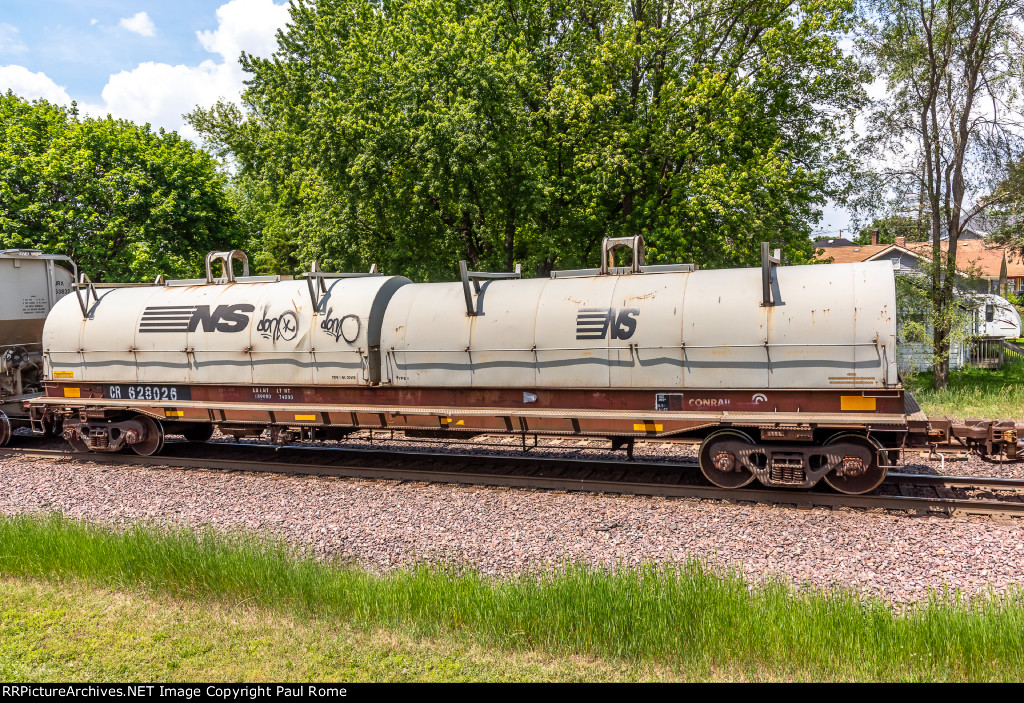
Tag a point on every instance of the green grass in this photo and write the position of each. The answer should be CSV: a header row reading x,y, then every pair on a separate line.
x,y
982,393
72,631
706,624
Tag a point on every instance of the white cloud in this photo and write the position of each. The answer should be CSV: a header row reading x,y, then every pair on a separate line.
x,y
10,40
248,25
31,86
138,23
160,94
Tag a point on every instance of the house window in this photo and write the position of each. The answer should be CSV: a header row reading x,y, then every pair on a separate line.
x,y
990,312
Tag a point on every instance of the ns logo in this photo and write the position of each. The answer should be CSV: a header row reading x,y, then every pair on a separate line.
x,y
596,323
189,318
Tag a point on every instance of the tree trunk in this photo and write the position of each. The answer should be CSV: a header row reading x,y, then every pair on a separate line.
x,y
941,363
510,240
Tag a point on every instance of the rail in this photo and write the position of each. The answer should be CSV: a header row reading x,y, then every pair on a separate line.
x,y
668,479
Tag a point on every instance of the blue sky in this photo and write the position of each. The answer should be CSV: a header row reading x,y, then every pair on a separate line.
x,y
141,60
148,61
80,44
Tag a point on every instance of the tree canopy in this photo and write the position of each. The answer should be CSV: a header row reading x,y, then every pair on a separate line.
x,y
124,202
891,226
1005,212
953,74
413,133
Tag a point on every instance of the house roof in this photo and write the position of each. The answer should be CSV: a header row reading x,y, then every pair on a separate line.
x,y
977,254
971,254
850,255
833,242
895,248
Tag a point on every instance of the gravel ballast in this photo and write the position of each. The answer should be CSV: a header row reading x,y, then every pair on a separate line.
x,y
385,524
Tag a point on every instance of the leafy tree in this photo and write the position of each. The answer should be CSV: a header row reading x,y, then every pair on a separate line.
x,y
1005,208
892,226
417,132
1016,301
953,71
124,202
917,316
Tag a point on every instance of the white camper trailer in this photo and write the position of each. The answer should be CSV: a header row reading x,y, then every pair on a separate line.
x,y
996,317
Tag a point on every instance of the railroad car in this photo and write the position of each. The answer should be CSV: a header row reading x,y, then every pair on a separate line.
x,y
784,374
30,283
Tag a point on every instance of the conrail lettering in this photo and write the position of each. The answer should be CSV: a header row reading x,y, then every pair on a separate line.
x,y
189,318
708,402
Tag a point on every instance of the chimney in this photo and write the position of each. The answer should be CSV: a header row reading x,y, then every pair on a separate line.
x,y
901,242
874,237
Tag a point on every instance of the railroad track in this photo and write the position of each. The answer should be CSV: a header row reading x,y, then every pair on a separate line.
x,y
900,492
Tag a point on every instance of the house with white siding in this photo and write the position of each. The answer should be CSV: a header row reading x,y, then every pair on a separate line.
x,y
974,257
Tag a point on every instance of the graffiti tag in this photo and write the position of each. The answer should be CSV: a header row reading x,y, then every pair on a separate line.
x,y
346,327
284,327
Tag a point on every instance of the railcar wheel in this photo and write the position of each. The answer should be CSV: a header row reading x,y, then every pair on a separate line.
x,y
721,466
5,429
859,479
199,433
154,440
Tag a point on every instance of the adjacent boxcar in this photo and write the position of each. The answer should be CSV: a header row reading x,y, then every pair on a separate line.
x,y
30,284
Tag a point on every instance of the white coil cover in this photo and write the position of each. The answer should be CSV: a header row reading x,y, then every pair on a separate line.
x,y
832,327
262,333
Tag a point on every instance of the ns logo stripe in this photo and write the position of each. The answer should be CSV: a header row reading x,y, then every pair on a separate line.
x,y
596,323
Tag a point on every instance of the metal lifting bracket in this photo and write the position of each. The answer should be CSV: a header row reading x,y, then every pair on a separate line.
x,y
316,280
608,268
226,259
767,264
612,244
475,277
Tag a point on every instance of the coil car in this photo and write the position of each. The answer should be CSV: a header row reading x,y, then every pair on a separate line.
x,y
785,374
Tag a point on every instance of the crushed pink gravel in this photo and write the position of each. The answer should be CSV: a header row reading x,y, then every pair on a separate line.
x,y
385,524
